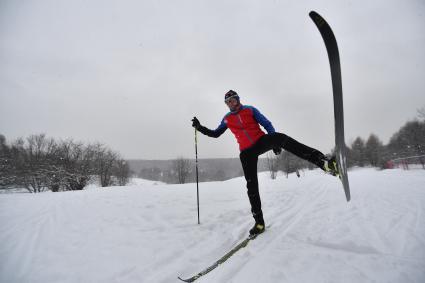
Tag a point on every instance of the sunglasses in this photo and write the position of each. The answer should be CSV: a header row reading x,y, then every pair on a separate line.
x,y
230,99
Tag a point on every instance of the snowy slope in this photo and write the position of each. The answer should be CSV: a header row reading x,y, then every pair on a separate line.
x,y
149,233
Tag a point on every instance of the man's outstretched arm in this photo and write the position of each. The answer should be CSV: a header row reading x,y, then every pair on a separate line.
x,y
211,133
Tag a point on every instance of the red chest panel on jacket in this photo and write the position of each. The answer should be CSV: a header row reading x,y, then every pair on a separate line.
x,y
245,128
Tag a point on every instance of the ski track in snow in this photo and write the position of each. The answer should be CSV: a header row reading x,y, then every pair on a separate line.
x,y
149,233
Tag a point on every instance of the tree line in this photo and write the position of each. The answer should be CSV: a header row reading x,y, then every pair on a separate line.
x,y
407,144
38,163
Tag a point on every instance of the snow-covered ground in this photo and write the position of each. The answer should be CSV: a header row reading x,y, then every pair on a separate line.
x,y
148,232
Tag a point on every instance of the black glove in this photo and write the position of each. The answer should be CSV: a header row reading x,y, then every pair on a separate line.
x,y
277,150
195,123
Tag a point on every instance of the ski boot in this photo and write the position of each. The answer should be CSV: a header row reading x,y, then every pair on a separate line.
x,y
330,166
257,229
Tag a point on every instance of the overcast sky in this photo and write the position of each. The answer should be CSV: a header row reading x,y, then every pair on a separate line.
x,y
132,74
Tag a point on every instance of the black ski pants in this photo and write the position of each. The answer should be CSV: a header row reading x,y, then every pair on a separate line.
x,y
249,160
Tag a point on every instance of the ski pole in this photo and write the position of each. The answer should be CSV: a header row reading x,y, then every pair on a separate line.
x,y
196,164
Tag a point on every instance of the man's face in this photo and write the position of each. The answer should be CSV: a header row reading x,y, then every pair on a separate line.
x,y
232,103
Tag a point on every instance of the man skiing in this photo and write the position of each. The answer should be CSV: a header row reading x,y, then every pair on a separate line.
x,y
244,122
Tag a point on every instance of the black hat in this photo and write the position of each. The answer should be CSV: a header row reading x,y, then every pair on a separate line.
x,y
231,94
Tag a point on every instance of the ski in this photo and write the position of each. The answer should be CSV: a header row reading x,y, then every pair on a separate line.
x,y
239,246
333,54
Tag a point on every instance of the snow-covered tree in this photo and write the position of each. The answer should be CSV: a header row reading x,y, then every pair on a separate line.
x,y
357,153
373,150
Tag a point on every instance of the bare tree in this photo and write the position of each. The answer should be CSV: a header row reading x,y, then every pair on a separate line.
x,y
181,167
421,113
5,164
34,162
272,164
75,165
104,164
122,172
13,164
3,144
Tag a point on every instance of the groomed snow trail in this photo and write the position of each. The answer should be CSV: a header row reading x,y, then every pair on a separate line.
x,y
149,233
